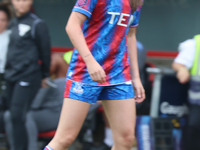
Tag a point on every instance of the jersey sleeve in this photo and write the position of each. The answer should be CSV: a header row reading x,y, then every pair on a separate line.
x,y
85,7
136,17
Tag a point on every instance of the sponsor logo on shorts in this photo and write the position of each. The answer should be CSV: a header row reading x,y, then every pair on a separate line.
x,y
70,74
129,82
78,88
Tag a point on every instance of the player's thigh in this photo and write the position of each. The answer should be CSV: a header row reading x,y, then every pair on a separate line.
x,y
72,117
121,115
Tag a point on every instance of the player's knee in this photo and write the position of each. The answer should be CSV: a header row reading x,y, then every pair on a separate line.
x,y
127,138
66,141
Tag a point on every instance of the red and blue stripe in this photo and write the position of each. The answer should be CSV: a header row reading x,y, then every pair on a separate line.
x,y
106,41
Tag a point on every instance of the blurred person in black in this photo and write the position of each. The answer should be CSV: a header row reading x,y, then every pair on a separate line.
x,y
44,113
5,16
187,66
29,43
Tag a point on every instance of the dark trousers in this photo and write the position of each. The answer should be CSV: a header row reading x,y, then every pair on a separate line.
x,y
19,96
192,141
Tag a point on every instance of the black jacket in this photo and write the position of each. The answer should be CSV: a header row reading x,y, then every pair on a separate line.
x,y
29,43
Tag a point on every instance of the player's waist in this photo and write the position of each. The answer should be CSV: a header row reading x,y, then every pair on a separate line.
x,y
129,82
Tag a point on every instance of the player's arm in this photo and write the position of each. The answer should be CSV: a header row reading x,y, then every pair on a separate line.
x,y
132,50
76,36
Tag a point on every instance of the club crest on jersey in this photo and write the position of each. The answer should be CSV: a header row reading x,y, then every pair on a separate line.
x,y
78,88
82,2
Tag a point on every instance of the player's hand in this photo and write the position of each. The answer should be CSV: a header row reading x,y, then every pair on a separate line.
x,y
96,72
183,75
139,90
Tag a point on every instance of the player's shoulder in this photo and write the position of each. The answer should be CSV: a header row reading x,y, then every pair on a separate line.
x,y
81,3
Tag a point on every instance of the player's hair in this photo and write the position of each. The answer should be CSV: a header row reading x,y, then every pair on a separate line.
x,y
5,6
134,4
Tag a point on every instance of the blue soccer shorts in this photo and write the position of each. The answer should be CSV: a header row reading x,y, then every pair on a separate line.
x,y
90,94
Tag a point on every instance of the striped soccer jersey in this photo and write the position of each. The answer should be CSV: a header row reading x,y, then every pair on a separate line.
x,y
105,33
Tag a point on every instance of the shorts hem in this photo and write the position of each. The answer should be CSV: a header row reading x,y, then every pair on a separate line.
x,y
116,99
94,101
103,85
90,102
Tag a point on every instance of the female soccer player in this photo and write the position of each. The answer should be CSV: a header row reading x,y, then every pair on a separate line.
x,y
100,70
